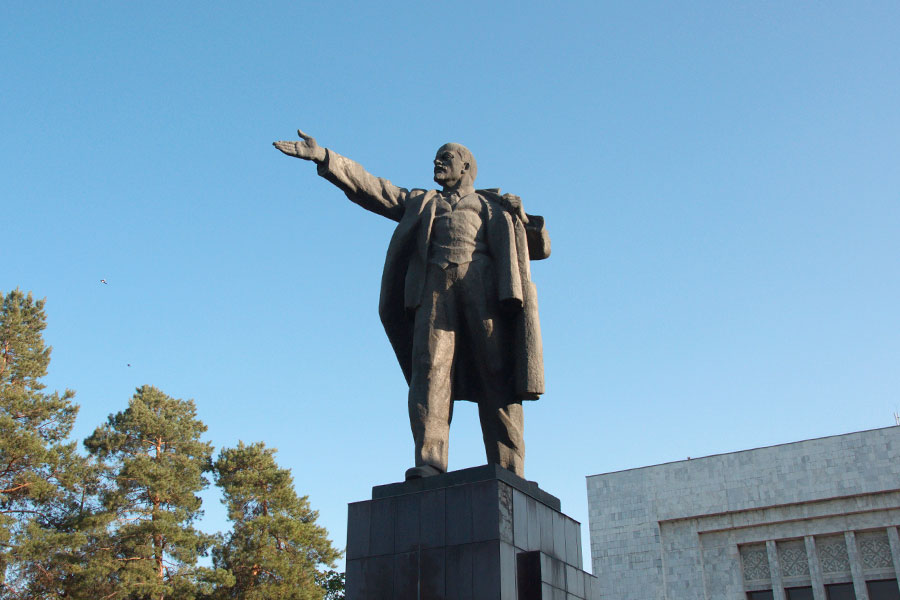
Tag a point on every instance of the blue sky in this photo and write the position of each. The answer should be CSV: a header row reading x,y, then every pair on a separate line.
x,y
719,179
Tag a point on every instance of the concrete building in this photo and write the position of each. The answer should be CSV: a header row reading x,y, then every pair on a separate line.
x,y
810,520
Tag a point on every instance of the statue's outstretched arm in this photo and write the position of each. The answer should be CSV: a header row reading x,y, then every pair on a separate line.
x,y
372,193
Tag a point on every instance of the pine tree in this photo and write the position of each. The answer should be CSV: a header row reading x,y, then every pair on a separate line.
x,y
156,465
41,475
276,550
333,582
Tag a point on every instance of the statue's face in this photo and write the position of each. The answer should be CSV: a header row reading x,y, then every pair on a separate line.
x,y
449,168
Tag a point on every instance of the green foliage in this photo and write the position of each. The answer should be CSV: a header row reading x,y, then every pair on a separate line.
x,y
118,524
275,550
43,481
155,467
333,583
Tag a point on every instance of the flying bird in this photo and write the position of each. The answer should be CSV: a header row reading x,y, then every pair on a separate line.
x,y
103,281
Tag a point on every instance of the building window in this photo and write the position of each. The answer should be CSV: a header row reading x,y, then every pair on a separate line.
x,y
799,593
760,595
840,591
885,589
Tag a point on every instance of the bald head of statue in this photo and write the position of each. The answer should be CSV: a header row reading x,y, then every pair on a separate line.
x,y
454,166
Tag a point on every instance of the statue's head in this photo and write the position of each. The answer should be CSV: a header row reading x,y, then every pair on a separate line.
x,y
453,163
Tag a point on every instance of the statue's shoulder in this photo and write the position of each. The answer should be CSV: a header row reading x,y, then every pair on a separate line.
x,y
420,195
417,200
492,194
492,200
414,196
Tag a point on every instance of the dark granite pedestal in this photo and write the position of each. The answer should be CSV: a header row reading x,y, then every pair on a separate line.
x,y
480,533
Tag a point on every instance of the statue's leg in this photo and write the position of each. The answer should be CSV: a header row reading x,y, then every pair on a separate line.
x,y
489,339
434,341
503,430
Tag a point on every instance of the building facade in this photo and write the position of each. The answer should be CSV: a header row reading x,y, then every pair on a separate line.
x,y
810,520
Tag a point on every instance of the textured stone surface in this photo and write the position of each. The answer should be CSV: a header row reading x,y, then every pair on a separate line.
x,y
483,535
699,529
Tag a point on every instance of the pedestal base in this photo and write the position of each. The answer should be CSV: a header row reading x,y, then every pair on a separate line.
x,y
480,533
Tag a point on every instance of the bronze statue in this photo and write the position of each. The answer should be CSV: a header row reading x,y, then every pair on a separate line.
x,y
457,301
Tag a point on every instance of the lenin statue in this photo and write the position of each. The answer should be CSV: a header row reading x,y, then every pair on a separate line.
x,y
457,301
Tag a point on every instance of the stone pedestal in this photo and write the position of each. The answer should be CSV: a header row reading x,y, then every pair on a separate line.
x,y
479,533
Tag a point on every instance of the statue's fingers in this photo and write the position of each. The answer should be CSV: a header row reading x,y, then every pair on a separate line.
x,y
286,147
305,137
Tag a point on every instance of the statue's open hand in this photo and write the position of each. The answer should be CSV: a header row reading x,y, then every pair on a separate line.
x,y
513,204
306,148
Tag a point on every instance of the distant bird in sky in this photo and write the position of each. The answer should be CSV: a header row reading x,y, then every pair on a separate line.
x,y
103,281
129,364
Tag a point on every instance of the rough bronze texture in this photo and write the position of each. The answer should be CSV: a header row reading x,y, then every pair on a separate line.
x,y
457,301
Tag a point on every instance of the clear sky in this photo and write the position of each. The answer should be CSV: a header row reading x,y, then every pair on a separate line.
x,y
720,181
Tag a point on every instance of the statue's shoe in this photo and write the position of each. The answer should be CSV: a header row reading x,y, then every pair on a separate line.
x,y
420,472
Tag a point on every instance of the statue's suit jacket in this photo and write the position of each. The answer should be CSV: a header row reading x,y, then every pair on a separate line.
x,y
511,244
